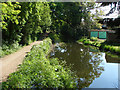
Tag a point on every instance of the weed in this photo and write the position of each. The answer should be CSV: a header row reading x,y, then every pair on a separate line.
x,y
93,38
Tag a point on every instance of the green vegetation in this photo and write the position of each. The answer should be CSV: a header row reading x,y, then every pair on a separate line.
x,y
8,49
111,48
93,38
72,19
37,71
101,44
54,37
22,23
25,22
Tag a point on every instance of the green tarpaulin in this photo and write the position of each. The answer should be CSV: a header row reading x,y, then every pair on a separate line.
x,y
99,34
94,34
102,35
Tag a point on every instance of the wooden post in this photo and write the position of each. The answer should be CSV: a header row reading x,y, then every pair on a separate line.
x,y
98,34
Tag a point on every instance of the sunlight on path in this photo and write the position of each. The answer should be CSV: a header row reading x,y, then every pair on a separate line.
x,y
9,63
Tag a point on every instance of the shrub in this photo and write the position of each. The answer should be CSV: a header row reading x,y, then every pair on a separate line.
x,y
81,40
93,38
54,37
101,45
86,42
37,71
117,50
98,45
6,49
1,52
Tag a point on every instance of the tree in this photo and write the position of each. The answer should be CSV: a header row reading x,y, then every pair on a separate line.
x,y
10,21
23,21
67,18
35,19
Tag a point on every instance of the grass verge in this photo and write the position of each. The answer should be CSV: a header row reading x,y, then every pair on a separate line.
x,y
102,45
38,71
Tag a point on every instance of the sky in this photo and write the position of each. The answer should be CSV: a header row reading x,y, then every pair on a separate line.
x,y
105,10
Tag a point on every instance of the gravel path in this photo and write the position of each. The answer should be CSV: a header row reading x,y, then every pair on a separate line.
x,y
9,63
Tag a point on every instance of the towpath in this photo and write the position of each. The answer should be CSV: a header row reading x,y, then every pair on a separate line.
x,y
9,63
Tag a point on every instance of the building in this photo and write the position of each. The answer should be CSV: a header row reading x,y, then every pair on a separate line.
x,y
101,34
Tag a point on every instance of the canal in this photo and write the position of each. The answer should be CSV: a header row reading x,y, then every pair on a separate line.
x,y
94,69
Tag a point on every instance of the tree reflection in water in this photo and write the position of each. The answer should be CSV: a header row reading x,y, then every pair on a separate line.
x,y
85,62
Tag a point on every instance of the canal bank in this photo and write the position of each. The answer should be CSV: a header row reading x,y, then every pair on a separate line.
x,y
94,68
39,71
101,44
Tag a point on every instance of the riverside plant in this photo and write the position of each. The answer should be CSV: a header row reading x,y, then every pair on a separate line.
x,y
101,45
38,71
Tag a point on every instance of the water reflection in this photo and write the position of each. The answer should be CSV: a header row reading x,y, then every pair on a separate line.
x,y
86,62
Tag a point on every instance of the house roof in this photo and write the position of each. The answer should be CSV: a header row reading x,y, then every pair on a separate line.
x,y
111,31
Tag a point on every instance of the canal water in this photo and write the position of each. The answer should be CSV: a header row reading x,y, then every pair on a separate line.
x,y
94,69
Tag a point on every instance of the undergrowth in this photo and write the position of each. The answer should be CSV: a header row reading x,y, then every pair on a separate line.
x,y
115,48
7,49
38,71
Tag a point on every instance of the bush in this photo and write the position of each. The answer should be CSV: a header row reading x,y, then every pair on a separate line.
x,y
111,48
54,37
6,49
1,52
117,50
81,40
37,71
93,38
98,45
86,42
101,45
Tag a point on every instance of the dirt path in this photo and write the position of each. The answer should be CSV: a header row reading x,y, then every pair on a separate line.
x,y
9,63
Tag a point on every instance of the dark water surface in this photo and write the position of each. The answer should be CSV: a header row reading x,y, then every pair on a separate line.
x,y
95,69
